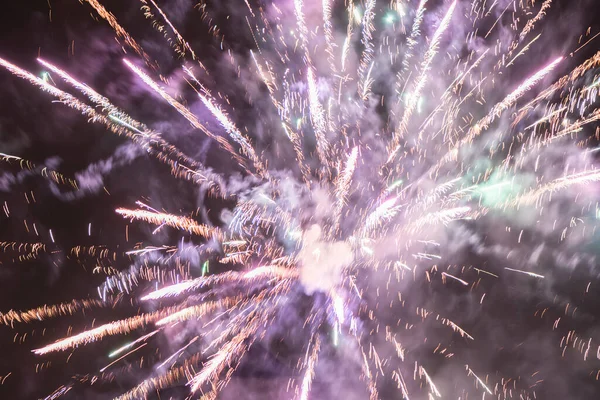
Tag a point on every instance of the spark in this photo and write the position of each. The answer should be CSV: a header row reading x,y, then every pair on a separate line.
x,y
168,219
310,362
424,70
434,389
130,345
525,272
122,357
455,278
480,381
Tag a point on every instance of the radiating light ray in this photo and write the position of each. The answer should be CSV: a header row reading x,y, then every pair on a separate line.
x,y
343,183
98,99
328,31
411,42
233,349
455,278
197,311
236,135
423,74
178,352
511,99
317,117
525,272
161,381
187,114
401,384
537,194
312,356
384,212
48,311
434,389
346,45
120,327
122,357
440,217
130,345
498,109
171,220
371,386
93,116
366,59
479,380
184,45
539,16
186,286
119,30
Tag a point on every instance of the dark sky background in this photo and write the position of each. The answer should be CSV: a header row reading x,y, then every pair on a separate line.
x,y
67,33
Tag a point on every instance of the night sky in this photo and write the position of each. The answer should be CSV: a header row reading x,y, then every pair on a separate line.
x,y
112,172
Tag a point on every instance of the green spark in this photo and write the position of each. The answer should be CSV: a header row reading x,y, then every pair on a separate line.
x,y
498,190
120,349
389,18
394,185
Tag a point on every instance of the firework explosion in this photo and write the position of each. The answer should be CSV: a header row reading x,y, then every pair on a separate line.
x,y
349,214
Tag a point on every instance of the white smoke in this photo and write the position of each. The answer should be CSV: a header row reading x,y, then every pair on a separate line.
x,y
322,263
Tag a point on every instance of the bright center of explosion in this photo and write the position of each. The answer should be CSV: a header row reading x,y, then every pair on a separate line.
x,y
321,262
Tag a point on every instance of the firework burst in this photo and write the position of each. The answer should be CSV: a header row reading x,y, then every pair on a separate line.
x,y
353,218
